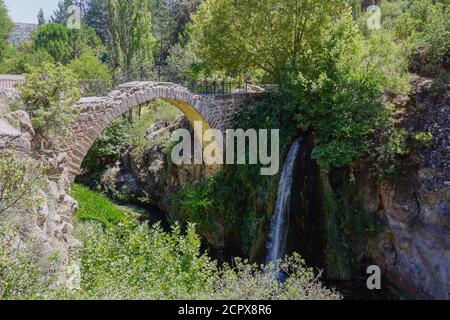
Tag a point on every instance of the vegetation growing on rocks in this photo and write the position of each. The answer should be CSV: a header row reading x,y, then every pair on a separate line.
x,y
136,261
48,96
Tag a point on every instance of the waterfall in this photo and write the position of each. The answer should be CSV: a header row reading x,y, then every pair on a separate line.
x,y
276,244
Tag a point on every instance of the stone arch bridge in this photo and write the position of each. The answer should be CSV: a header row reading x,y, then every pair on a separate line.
x,y
96,113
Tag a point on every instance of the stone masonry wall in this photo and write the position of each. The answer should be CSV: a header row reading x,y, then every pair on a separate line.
x,y
97,113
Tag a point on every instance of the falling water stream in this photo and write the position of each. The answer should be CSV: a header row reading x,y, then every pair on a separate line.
x,y
276,244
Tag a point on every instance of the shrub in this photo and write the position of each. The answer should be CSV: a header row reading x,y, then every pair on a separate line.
x,y
252,282
49,94
19,182
425,28
393,146
146,263
142,263
89,67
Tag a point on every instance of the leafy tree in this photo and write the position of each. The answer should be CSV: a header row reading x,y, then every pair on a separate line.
x,y
40,17
88,67
425,27
64,44
340,98
6,26
131,39
170,20
49,94
261,34
55,39
20,59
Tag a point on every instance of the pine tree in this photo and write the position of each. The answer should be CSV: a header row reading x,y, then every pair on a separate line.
x,y
40,16
96,16
60,15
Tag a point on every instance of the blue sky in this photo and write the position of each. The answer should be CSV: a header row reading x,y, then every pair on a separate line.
x,y
27,10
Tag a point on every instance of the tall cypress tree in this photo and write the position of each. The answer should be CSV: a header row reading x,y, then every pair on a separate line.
x,y
40,17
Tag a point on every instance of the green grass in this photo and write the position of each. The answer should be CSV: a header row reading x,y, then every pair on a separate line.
x,y
95,206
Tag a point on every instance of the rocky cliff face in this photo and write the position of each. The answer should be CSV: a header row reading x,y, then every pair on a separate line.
x,y
414,248
22,32
48,223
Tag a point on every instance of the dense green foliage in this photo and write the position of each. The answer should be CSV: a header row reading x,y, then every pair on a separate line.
x,y
340,99
64,44
49,94
425,28
23,58
335,77
54,38
131,38
6,26
171,266
236,36
135,261
81,50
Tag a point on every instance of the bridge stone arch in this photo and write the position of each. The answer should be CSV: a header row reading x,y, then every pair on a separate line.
x,y
96,113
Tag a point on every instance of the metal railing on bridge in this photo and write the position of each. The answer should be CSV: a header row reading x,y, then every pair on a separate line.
x,y
169,74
